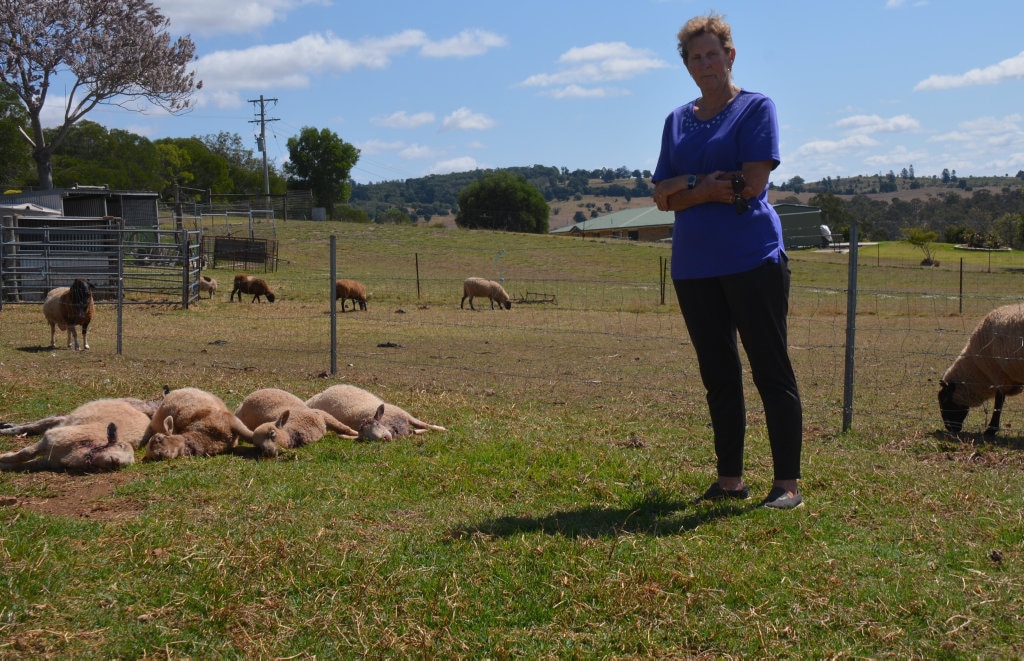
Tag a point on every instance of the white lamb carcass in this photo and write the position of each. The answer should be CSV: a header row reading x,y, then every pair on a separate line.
x,y
279,419
192,422
375,419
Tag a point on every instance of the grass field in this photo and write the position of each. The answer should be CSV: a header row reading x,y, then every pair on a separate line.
x,y
555,517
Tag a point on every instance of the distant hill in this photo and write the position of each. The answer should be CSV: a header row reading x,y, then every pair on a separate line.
x,y
577,194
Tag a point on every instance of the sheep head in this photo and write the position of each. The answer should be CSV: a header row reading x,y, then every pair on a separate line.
x,y
166,444
953,413
372,429
267,437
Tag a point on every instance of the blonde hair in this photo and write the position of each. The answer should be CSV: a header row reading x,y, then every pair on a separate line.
x,y
713,23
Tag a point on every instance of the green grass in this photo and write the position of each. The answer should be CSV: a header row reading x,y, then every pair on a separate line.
x,y
554,518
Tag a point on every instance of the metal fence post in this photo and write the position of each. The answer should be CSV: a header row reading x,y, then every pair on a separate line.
x,y
334,308
851,328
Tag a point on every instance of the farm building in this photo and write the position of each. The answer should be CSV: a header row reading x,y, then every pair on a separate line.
x,y
799,225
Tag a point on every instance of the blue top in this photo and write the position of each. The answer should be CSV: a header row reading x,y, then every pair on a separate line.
x,y
711,239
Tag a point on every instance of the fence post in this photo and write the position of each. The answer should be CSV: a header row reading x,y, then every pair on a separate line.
x,y
334,308
184,248
120,285
417,276
851,327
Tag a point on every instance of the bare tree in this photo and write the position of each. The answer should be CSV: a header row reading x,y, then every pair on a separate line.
x,y
112,52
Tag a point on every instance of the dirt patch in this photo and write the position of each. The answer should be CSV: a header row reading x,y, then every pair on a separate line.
x,y
77,496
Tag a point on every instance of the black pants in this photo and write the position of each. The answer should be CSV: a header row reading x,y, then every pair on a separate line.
x,y
753,304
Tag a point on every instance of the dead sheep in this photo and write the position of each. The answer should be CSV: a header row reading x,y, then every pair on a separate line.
x,y
350,290
97,436
192,423
247,284
991,364
68,307
209,285
40,426
280,420
374,419
484,288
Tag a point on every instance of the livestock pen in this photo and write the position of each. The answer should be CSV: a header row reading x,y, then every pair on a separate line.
x,y
554,517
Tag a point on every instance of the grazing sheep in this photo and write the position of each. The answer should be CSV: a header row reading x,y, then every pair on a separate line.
x,y
98,435
350,289
192,422
375,419
67,307
208,284
482,287
991,364
279,419
247,284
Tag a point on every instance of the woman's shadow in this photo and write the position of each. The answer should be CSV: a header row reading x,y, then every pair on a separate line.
x,y
654,514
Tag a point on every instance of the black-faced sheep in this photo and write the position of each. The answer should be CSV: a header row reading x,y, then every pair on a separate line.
x,y
279,419
247,284
350,290
192,422
98,435
67,307
374,419
209,285
990,365
485,288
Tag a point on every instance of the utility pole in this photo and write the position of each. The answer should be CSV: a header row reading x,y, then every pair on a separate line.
x,y
261,141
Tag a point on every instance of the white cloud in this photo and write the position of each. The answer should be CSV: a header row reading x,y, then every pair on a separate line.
x,y
597,63
579,92
1009,69
371,147
461,164
868,124
417,151
403,120
465,119
465,44
819,148
228,16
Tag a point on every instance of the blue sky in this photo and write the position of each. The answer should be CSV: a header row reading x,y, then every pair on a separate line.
x,y
861,87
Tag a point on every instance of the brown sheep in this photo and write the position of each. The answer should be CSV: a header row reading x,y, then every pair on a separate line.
x,y
247,284
487,288
67,307
279,419
98,435
208,284
350,290
192,422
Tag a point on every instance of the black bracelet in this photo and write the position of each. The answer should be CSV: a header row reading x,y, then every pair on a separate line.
x,y
738,184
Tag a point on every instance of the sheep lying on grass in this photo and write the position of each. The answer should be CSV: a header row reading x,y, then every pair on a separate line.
x,y
42,425
485,288
990,365
67,307
98,435
375,419
247,284
209,285
192,422
350,290
279,419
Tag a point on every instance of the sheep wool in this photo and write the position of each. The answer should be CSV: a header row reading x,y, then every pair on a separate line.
x,y
279,419
375,419
192,422
487,289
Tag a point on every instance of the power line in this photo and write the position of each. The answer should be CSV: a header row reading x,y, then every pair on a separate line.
x,y
261,139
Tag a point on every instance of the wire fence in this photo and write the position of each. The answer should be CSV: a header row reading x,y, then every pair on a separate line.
x,y
580,343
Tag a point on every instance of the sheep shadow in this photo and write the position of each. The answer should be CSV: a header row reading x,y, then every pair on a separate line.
x,y
36,349
980,439
653,516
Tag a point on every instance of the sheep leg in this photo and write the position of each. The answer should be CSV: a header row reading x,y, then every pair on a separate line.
x,y
85,342
31,428
72,332
337,426
11,459
997,411
53,335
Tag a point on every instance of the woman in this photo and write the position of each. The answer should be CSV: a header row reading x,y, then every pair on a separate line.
x,y
729,267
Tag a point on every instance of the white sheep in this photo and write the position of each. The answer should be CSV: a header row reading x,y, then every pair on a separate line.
x,y
991,364
43,424
192,422
486,288
375,419
98,435
207,284
279,419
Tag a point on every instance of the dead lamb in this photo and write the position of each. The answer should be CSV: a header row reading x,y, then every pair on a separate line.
x,y
98,435
375,419
192,423
485,288
991,364
279,419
